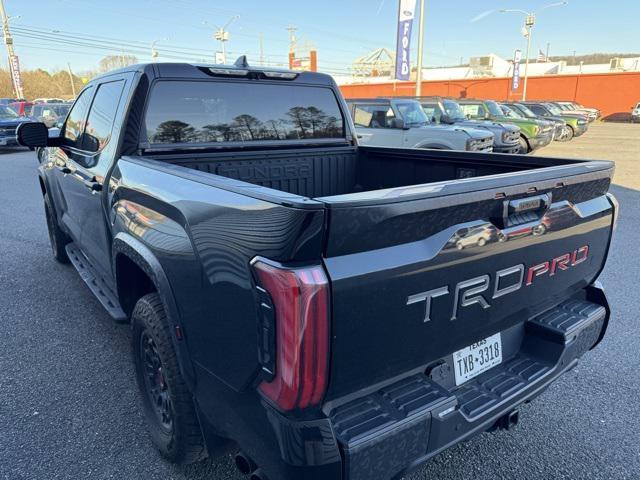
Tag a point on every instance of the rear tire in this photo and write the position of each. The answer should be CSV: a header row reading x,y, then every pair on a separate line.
x,y
524,146
57,238
166,400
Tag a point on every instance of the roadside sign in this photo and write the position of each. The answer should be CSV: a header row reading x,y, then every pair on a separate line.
x,y
406,15
16,78
515,81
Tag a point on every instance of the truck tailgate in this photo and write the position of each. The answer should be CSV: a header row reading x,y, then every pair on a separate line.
x,y
418,273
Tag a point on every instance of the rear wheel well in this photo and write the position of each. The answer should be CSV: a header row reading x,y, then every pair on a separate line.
x,y
132,282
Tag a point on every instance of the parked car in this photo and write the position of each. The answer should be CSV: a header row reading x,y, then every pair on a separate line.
x,y
447,111
562,131
533,133
401,122
591,113
9,122
578,122
48,100
21,108
51,114
295,295
635,113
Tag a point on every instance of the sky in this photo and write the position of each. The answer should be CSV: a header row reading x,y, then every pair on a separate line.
x,y
51,33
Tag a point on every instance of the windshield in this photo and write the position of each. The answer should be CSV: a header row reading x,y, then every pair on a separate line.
x,y
511,112
494,108
412,114
6,112
553,109
454,111
525,111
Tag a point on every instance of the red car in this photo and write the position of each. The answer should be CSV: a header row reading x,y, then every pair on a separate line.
x,y
21,108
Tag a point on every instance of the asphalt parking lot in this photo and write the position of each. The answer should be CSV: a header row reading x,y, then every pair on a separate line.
x,y
69,406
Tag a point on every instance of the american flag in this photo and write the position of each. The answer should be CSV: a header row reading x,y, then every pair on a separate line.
x,y
541,56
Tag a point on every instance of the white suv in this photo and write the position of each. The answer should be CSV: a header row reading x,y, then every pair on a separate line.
x,y
389,122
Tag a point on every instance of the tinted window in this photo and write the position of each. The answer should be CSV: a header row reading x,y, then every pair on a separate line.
x,y
474,110
198,112
412,113
101,116
537,109
373,116
75,122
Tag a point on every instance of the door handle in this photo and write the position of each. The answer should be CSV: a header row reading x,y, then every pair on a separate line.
x,y
64,169
358,136
93,185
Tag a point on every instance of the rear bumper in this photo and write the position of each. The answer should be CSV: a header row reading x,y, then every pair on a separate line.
x,y
393,430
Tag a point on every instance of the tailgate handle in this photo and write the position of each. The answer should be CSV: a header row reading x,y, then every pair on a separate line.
x,y
525,210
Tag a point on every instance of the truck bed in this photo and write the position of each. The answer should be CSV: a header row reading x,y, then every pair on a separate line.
x,y
326,172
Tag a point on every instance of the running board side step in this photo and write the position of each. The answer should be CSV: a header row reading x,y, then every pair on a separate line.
x,y
96,284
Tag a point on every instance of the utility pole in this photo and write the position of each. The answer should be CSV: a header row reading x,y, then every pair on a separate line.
x,y
420,46
73,86
548,45
8,41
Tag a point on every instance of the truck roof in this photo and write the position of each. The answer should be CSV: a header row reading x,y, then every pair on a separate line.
x,y
195,71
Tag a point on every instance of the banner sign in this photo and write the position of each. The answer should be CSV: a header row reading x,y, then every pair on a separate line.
x,y
16,79
406,15
515,81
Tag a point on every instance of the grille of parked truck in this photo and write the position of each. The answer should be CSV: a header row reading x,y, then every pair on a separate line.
x,y
333,310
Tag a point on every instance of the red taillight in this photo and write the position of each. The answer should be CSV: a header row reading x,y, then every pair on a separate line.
x,y
301,303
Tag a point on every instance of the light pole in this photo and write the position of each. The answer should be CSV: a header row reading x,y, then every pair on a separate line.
x,y
529,22
222,35
420,53
154,52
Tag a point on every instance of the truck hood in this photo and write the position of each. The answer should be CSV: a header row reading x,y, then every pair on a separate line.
x,y
14,122
494,127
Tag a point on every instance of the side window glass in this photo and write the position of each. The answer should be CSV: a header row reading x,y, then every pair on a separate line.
x,y
373,116
74,125
481,111
101,117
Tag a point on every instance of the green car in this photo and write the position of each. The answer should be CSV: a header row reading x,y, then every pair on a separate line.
x,y
578,122
534,134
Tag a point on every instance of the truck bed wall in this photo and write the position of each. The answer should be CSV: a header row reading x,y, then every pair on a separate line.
x,y
337,171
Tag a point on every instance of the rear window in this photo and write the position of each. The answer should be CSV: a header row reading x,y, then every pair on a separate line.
x,y
206,112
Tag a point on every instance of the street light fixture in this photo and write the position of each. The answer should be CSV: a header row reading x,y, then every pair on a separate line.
x,y
222,35
529,22
154,52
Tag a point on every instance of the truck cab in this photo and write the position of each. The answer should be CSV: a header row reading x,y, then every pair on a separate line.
x,y
391,122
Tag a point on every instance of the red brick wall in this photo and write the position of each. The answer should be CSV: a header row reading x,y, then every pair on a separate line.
x,y
613,93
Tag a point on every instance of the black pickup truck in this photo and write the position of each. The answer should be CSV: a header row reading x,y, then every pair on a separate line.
x,y
331,311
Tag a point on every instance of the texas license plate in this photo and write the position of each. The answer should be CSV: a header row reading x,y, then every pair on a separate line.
x,y
478,357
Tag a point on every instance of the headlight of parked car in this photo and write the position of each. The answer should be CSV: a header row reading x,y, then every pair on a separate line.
x,y
582,122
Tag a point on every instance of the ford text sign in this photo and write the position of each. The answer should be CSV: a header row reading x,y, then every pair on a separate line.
x,y
405,20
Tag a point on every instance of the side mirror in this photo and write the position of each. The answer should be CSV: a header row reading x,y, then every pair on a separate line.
x,y
446,119
398,123
32,134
